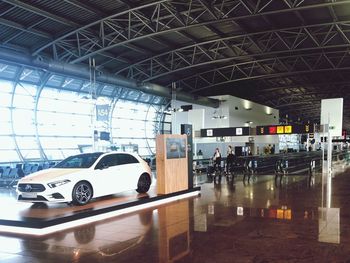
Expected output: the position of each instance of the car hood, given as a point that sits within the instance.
(49, 175)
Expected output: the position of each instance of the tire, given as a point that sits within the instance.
(144, 183)
(82, 193)
(85, 235)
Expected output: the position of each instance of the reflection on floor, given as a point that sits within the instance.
(258, 221)
(23, 211)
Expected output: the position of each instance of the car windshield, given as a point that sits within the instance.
(85, 160)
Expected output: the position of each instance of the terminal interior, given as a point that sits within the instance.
(239, 109)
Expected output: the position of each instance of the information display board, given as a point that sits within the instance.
(221, 132)
(332, 114)
(171, 163)
(284, 129)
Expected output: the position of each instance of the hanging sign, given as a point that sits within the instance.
(102, 112)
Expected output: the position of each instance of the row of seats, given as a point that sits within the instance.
(10, 175)
(296, 163)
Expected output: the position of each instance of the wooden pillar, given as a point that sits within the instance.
(171, 159)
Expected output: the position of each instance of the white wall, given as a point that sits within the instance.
(242, 111)
(238, 113)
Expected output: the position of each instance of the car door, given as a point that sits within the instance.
(130, 169)
(107, 172)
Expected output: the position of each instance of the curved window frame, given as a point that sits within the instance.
(26, 93)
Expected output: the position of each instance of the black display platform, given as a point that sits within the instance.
(50, 224)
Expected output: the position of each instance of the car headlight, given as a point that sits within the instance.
(58, 183)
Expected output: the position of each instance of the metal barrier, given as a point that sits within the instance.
(250, 167)
(281, 168)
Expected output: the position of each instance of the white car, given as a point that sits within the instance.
(81, 177)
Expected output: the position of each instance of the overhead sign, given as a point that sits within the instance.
(284, 129)
(288, 129)
(222, 132)
(280, 129)
(102, 112)
(332, 114)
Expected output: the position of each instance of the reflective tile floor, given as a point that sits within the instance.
(230, 221)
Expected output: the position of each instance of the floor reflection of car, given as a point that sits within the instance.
(130, 240)
(108, 239)
(81, 177)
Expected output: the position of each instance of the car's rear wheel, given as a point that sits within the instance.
(144, 183)
(82, 193)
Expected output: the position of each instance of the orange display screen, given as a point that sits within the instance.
(280, 129)
(288, 129)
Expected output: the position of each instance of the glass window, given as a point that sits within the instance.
(69, 152)
(5, 128)
(146, 151)
(9, 156)
(85, 160)
(5, 99)
(69, 106)
(64, 118)
(127, 159)
(108, 161)
(24, 102)
(30, 154)
(31, 75)
(26, 89)
(5, 114)
(7, 142)
(151, 143)
(54, 154)
(6, 86)
(55, 81)
(23, 122)
(63, 142)
(27, 142)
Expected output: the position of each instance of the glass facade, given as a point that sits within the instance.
(49, 117)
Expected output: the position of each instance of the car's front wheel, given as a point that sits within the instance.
(144, 183)
(82, 193)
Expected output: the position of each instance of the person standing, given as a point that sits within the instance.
(229, 159)
(217, 159)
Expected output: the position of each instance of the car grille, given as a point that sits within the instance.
(31, 188)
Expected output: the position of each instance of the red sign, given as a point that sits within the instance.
(272, 130)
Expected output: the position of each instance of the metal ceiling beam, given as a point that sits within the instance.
(195, 56)
(269, 68)
(83, 5)
(180, 63)
(304, 99)
(140, 29)
(189, 56)
(67, 22)
(23, 28)
(84, 73)
(85, 28)
(307, 85)
(41, 12)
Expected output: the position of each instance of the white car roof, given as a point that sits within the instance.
(118, 152)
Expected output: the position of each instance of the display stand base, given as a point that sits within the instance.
(67, 217)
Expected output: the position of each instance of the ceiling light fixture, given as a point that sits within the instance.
(217, 114)
(173, 104)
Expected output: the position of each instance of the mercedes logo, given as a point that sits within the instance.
(28, 188)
